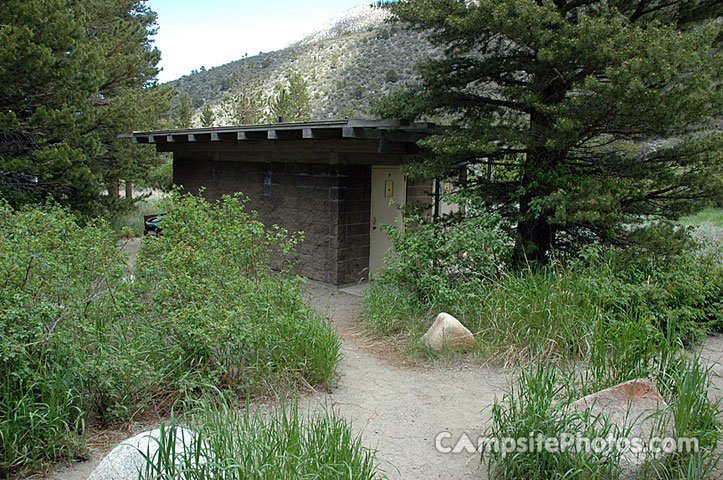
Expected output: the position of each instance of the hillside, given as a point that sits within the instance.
(348, 64)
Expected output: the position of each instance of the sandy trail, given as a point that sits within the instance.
(712, 353)
(401, 409)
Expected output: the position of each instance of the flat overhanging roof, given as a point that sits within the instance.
(387, 133)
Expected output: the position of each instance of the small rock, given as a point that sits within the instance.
(126, 460)
(636, 408)
(447, 331)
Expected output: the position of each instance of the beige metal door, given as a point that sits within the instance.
(389, 193)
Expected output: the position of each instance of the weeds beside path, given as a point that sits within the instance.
(401, 408)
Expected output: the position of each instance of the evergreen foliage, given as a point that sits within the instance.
(292, 102)
(207, 117)
(183, 113)
(73, 76)
(596, 116)
(245, 101)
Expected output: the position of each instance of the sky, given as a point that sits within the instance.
(193, 33)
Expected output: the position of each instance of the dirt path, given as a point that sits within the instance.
(712, 353)
(401, 409)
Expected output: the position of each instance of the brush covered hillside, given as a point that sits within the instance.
(348, 64)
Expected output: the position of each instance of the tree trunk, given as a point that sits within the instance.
(129, 190)
(535, 238)
(535, 234)
(114, 191)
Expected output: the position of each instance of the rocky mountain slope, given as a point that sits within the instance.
(348, 64)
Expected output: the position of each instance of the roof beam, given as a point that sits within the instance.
(322, 133)
(285, 134)
(361, 132)
(256, 134)
(402, 136)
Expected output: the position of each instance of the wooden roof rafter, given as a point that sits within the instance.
(390, 134)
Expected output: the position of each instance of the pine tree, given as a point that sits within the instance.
(75, 75)
(246, 101)
(183, 113)
(207, 116)
(292, 101)
(597, 116)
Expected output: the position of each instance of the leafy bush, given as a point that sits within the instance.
(624, 313)
(62, 301)
(81, 341)
(682, 291)
(234, 443)
(432, 258)
(226, 317)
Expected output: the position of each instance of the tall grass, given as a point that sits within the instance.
(713, 216)
(515, 318)
(539, 403)
(576, 326)
(59, 287)
(533, 408)
(39, 421)
(236, 443)
(558, 310)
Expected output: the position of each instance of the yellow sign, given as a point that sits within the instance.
(389, 188)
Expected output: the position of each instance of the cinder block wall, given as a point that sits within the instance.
(420, 197)
(329, 203)
(354, 203)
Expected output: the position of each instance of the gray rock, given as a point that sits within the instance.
(637, 412)
(126, 460)
(447, 331)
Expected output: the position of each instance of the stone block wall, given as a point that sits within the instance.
(329, 203)
(420, 197)
(353, 192)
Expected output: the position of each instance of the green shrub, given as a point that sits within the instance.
(61, 295)
(432, 258)
(81, 341)
(223, 315)
(682, 291)
(234, 443)
(551, 310)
